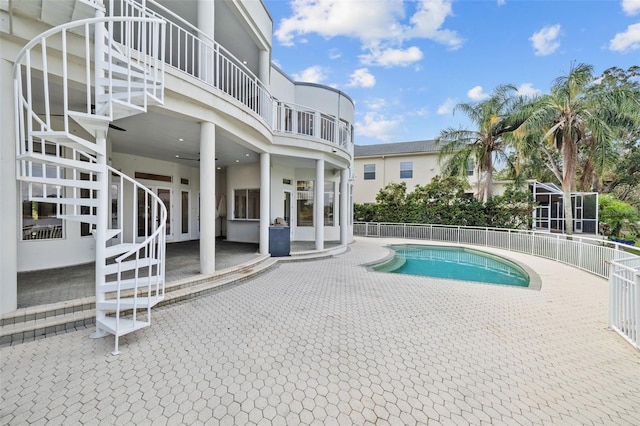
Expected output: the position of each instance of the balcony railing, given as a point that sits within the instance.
(195, 53)
(618, 262)
(300, 120)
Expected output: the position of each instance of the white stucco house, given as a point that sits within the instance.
(127, 124)
(415, 163)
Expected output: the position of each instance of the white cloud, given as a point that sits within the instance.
(626, 41)
(375, 125)
(392, 57)
(631, 7)
(362, 78)
(313, 74)
(502, 2)
(334, 54)
(376, 104)
(545, 41)
(428, 19)
(477, 94)
(527, 89)
(447, 106)
(382, 26)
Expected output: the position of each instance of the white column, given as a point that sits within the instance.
(264, 67)
(206, 15)
(265, 207)
(205, 23)
(102, 212)
(319, 204)
(9, 210)
(344, 206)
(207, 198)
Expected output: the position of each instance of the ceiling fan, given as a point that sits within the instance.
(181, 157)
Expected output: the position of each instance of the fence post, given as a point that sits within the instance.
(458, 235)
(637, 312)
(557, 247)
(580, 255)
(509, 239)
(486, 236)
(636, 308)
(533, 242)
(404, 230)
(378, 224)
(612, 293)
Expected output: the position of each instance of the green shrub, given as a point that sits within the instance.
(443, 201)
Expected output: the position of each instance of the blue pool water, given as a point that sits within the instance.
(456, 263)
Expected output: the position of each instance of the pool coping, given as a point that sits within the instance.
(535, 282)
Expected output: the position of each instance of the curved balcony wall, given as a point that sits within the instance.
(312, 110)
(287, 107)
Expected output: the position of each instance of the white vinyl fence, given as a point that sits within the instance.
(618, 262)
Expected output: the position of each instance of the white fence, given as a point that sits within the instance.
(618, 262)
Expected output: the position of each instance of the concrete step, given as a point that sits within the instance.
(45, 320)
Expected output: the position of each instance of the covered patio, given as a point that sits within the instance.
(183, 262)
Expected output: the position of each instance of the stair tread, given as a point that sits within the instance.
(89, 202)
(117, 249)
(125, 325)
(128, 303)
(67, 139)
(85, 218)
(72, 183)
(112, 233)
(130, 283)
(130, 264)
(60, 161)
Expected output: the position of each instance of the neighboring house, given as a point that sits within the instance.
(178, 96)
(376, 166)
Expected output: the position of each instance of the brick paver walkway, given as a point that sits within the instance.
(330, 342)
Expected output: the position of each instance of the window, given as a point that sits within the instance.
(329, 201)
(304, 202)
(246, 204)
(406, 169)
(470, 167)
(39, 218)
(369, 172)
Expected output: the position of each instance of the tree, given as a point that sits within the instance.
(493, 117)
(616, 214)
(576, 113)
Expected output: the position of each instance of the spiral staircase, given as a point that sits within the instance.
(70, 83)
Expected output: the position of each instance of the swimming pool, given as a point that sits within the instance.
(456, 263)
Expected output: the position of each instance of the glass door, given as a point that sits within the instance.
(146, 215)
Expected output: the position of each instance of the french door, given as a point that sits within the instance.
(146, 215)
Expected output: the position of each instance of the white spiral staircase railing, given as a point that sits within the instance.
(77, 73)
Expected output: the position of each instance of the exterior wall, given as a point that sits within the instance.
(188, 100)
(242, 177)
(425, 168)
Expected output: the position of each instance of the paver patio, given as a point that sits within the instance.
(330, 342)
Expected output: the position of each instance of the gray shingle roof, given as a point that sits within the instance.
(395, 148)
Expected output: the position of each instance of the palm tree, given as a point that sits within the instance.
(575, 114)
(493, 117)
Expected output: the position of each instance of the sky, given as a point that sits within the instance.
(407, 63)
